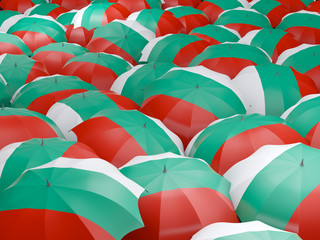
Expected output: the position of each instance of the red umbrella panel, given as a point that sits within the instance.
(19, 5)
(79, 35)
(174, 3)
(71, 4)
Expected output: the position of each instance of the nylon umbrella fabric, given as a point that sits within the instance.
(46, 9)
(173, 3)
(4, 92)
(66, 18)
(139, 5)
(71, 4)
(79, 35)
(12, 44)
(19, 5)
(5, 15)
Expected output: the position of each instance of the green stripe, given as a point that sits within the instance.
(216, 32)
(261, 235)
(149, 18)
(44, 9)
(15, 40)
(4, 95)
(104, 201)
(307, 2)
(265, 6)
(300, 20)
(5, 14)
(69, 48)
(66, 18)
(181, 11)
(225, 5)
(154, 4)
(278, 189)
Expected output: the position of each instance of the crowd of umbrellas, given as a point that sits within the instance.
(159, 119)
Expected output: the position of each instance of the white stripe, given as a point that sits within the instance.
(245, 3)
(5, 154)
(29, 10)
(252, 3)
(133, 16)
(249, 84)
(242, 173)
(77, 19)
(288, 53)
(119, 83)
(134, 25)
(221, 229)
(3, 79)
(247, 39)
(2, 57)
(7, 24)
(148, 48)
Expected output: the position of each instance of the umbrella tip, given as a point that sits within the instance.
(241, 119)
(83, 95)
(125, 36)
(229, 46)
(15, 64)
(42, 142)
(197, 86)
(48, 183)
(277, 73)
(2, 106)
(62, 44)
(313, 54)
(99, 54)
(154, 66)
(164, 169)
(301, 164)
(144, 125)
(55, 80)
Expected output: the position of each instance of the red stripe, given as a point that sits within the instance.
(71, 4)
(293, 5)
(211, 10)
(16, 5)
(174, 3)
(193, 21)
(275, 15)
(305, 83)
(40, 224)
(134, 6)
(79, 35)
(57, 11)
(305, 34)
(313, 136)
(109, 140)
(38, 70)
(242, 28)
(10, 48)
(210, 40)
(122, 102)
(115, 11)
(79, 150)
(286, 42)
(314, 73)
(168, 23)
(314, 7)
(178, 214)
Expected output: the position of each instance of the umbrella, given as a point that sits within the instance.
(314, 7)
(271, 89)
(47, 9)
(70, 199)
(228, 141)
(18, 124)
(138, 5)
(303, 25)
(19, 156)
(230, 58)
(12, 44)
(279, 185)
(79, 35)
(99, 69)
(158, 21)
(123, 38)
(189, 16)
(131, 84)
(66, 18)
(216, 34)
(37, 31)
(254, 230)
(304, 117)
(272, 41)
(243, 20)
(179, 49)
(5, 15)
(186, 100)
(71, 4)
(213, 8)
(174, 3)
(182, 196)
(103, 12)
(70, 112)
(40, 94)
(295, 5)
(19, 5)
(126, 134)
(55, 55)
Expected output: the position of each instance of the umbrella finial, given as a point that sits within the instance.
(62, 44)
(48, 183)
(144, 125)
(55, 79)
(197, 86)
(125, 36)
(99, 54)
(2, 106)
(83, 95)
(313, 54)
(164, 169)
(154, 66)
(15, 64)
(277, 73)
(229, 46)
(42, 142)
(241, 119)
(301, 164)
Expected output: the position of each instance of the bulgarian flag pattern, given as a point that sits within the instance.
(47, 9)
(12, 44)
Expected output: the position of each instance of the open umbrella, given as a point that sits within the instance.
(173, 3)
(79, 35)
(19, 5)
(66, 18)
(182, 195)
(314, 7)
(47, 9)
(138, 5)
(5, 15)
(71, 4)
(295, 5)
(12, 44)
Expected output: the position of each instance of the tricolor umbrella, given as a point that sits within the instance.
(66, 18)
(17, 157)
(227, 141)
(37, 31)
(103, 12)
(243, 20)
(179, 49)
(70, 112)
(173, 3)
(47, 9)
(213, 8)
(70, 199)
(138, 5)
(12, 44)
(131, 84)
(182, 195)
(279, 185)
(55, 55)
(190, 17)
(304, 117)
(123, 38)
(303, 25)
(305, 59)
(18, 124)
(215, 34)
(271, 89)
(71, 4)
(158, 21)
(272, 41)
(117, 136)
(40, 94)
(79, 35)
(230, 58)
(254, 230)
(99, 69)
(19, 5)
(186, 100)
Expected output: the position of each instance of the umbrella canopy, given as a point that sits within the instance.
(47, 9)
(71, 111)
(243, 20)
(4, 92)
(190, 17)
(279, 185)
(18, 70)
(272, 41)
(216, 34)
(254, 230)
(131, 84)
(103, 12)
(66, 18)
(138, 5)
(123, 38)
(271, 89)
(303, 25)
(179, 49)
(18, 124)
(55, 55)
(186, 100)
(19, 5)
(174, 3)
(314, 7)
(108, 208)
(230, 58)
(304, 117)
(37, 31)
(295, 5)
(79, 35)
(20, 156)
(71, 4)
(158, 21)
(5, 15)
(99, 69)
(126, 134)
(182, 196)
(304, 59)
(12, 44)
(228, 141)
(40, 94)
